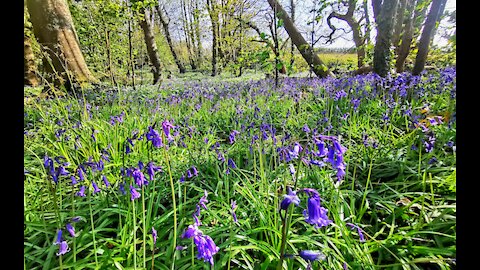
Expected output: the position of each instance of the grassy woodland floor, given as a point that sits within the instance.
(194, 174)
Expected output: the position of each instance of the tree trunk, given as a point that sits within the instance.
(398, 23)
(214, 20)
(404, 48)
(381, 54)
(30, 77)
(349, 18)
(163, 22)
(367, 22)
(196, 25)
(319, 68)
(424, 42)
(53, 27)
(151, 46)
(292, 46)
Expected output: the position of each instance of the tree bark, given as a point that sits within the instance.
(424, 42)
(30, 77)
(407, 36)
(164, 23)
(151, 46)
(319, 68)
(398, 23)
(381, 54)
(214, 20)
(53, 27)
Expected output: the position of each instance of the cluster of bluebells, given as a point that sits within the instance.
(206, 248)
(61, 242)
(315, 215)
(324, 153)
(139, 177)
(190, 173)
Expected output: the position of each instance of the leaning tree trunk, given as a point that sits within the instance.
(407, 36)
(424, 42)
(164, 24)
(54, 29)
(151, 46)
(30, 77)
(381, 54)
(319, 68)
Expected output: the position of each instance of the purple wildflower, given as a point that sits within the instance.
(139, 177)
(74, 180)
(153, 136)
(359, 230)
(105, 181)
(121, 187)
(70, 229)
(231, 163)
(154, 234)
(206, 247)
(59, 237)
(290, 197)
(95, 187)
(310, 255)
(151, 169)
(134, 193)
(315, 214)
(81, 193)
(63, 248)
(233, 207)
(166, 126)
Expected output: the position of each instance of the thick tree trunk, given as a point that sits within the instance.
(30, 77)
(163, 22)
(54, 29)
(406, 42)
(424, 42)
(319, 68)
(440, 14)
(381, 54)
(151, 46)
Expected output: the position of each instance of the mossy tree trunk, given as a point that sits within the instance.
(30, 77)
(315, 63)
(53, 27)
(385, 22)
(151, 46)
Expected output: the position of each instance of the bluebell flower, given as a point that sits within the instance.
(310, 255)
(203, 200)
(290, 197)
(231, 163)
(74, 180)
(315, 214)
(292, 169)
(121, 187)
(232, 135)
(154, 234)
(134, 193)
(206, 248)
(139, 177)
(105, 181)
(151, 169)
(153, 136)
(359, 230)
(95, 187)
(59, 237)
(70, 229)
(182, 179)
(233, 207)
(76, 219)
(63, 248)
(81, 192)
(306, 129)
(166, 126)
